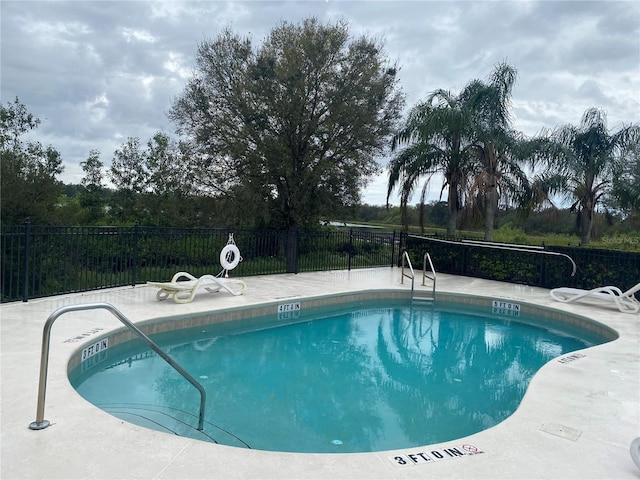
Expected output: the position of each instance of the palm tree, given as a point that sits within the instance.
(467, 139)
(627, 185)
(495, 145)
(501, 177)
(438, 135)
(587, 160)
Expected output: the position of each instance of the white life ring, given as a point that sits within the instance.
(230, 257)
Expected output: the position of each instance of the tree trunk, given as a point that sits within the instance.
(586, 221)
(490, 211)
(490, 161)
(452, 210)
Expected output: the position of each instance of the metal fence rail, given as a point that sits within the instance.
(39, 261)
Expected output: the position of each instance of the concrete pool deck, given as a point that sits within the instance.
(577, 420)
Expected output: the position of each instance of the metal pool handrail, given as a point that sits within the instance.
(523, 248)
(405, 256)
(40, 423)
(504, 246)
(425, 275)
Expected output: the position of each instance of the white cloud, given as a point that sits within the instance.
(175, 63)
(132, 34)
(54, 32)
(99, 71)
(97, 108)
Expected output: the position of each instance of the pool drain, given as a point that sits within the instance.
(337, 442)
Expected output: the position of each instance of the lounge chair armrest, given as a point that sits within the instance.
(179, 275)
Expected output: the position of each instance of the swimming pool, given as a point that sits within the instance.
(370, 376)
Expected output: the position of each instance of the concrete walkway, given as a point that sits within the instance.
(577, 419)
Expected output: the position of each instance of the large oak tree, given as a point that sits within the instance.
(292, 126)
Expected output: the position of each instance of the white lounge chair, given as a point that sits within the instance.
(183, 291)
(625, 301)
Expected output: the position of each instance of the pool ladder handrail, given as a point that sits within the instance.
(407, 260)
(412, 276)
(427, 257)
(40, 423)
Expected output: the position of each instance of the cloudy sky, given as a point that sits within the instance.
(96, 72)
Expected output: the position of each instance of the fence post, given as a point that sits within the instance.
(292, 260)
(350, 249)
(393, 247)
(403, 244)
(135, 254)
(27, 230)
(464, 259)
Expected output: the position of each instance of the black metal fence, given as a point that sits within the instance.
(40, 261)
(549, 267)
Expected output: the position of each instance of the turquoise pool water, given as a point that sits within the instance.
(366, 379)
